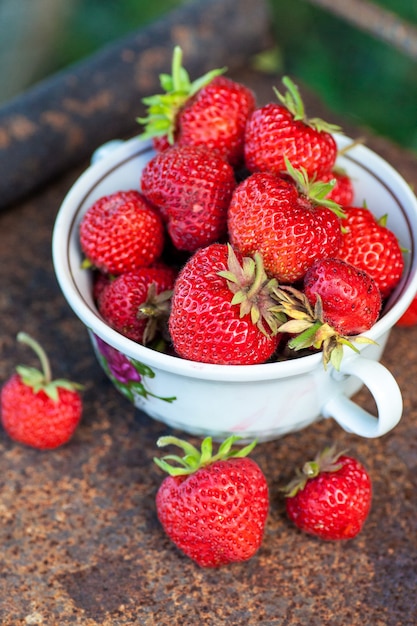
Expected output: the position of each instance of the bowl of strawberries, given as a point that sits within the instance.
(239, 267)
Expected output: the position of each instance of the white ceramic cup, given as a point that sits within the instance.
(263, 401)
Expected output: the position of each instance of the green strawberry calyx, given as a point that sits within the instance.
(308, 328)
(194, 459)
(325, 461)
(252, 289)
(292, 100)
(162, 109)
(41, 380)
(315, 191)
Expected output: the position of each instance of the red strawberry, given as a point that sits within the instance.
(218, 308)
(371, 246)
(36, 410)
(136, 304)
(339, 301)
(281, 130)
(331, 497)
(409, 317)
(275, 217)
(210, 111)
(350, 298)
(192, 187)
(100, 281)
(160, 143)
(121, 232)
(216, 117)
(358, 217)
(342, 192)
(214, 508)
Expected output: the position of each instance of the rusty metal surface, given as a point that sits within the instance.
(54, 125)
(81, 543)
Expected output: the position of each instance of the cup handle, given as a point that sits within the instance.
(385, 390)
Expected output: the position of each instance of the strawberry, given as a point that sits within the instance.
(338, 301)
(136, 303)
(219, 304)
(214, 508)
(160, 143)
(192, 187)
(100, 282)
(371, 246)
(409, 317)
(351, 299)
(216, 117)
(342, 192)
(121, 232)
(330, 497)
(280, 130)
(289, 222)
(210, 111)
(36, 410)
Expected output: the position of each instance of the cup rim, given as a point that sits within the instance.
(65, 230)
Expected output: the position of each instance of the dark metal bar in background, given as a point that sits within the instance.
(58, 123)
(379, 22)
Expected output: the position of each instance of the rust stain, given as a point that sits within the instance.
(18, 127)
(184, 37)
(61, 122)
(22, 128)
(98, 102)
(4, 139)
(128, 56)
(55, 119)
(76, 138)
(150, 64)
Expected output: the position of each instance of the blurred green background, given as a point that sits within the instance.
(355, 73)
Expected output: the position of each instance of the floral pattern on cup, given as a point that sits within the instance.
(128, 375)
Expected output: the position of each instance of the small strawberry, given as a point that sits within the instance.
(351, 299)
(137, 303)
(210, 111)
(368, 244)
(121, 232)
(160, 143)
(338, 302)
(216, 117)
(409, 317)
(219, 305)
(342, 192)
(213, 507)
(330, 497)
(289, 222)
(36, 410)
(100, 282)
(192, 187)
(280, 130)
